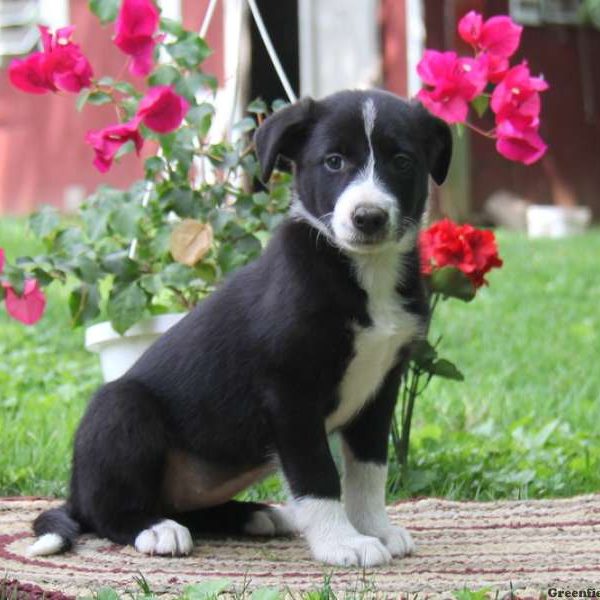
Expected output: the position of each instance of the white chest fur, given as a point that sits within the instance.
(375, 347)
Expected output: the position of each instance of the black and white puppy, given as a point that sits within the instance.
(307, 340)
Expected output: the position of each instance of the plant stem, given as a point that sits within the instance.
(488, 134)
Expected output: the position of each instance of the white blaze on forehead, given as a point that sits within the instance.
(369, 114)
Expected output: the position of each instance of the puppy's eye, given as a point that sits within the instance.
(334, 162)
(403, 164)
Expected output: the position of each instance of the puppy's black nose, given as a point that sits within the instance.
(369, 219)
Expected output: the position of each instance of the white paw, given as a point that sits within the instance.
(398, 541)
(360, 550)
(271, 521)
(165, 538)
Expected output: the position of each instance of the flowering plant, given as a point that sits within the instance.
(455, 260)
(455, 84)
(163, 244)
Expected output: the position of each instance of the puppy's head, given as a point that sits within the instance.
(362, 161)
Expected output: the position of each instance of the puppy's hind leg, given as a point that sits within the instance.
(120, 454)
(239, 518)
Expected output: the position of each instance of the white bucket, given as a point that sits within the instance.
(119, 352)
(557, 221)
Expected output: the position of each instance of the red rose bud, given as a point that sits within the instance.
(162, 110)
(107, 142)
(135, 29)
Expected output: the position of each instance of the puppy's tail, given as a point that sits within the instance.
(56, 531)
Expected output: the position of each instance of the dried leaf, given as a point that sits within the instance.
(190, 241)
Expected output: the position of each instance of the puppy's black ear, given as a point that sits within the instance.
(283, 134)
(438, 144)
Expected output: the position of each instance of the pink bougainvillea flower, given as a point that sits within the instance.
(1, 260)
(162, 110)
(27, 308)
(522, 145)
(516, 98)
(70, 69)
(499, 35)
(454, 82)
(60, 66)
(107, 142)
(30, 74)
(135, 29)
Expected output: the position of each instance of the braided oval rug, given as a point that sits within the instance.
(527, 546)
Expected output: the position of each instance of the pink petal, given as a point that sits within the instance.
(162, 110)
(469, 27)
(452, 109)
(501, 36)
(29, 307)
(2, 259)
(29, 75)
(525, 146)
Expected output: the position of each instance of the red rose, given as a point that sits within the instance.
(472, 251)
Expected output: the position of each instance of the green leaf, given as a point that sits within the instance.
(423, 353)
(452, 283)
(125, 220)
(181, 200)
(201, 117)
(171, 26)
(99, 98)
(84, 304)
(177, 275)
(126, 148)
(480, 104)
(82, 98)
(121, 265)
(258, 106)
(126, 306)
(206, 590)
(207, 272)
(266, 594)
(151, 283)
(16, 278)
(444, 368)
(87, 269)
(278, 104)
(245, 125)
(189, 51)
(154, 166)
(44, 222)
(105, 10)
(460, 130)
(164, 75)
(107, 593)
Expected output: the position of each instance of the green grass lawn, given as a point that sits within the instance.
(523, 424)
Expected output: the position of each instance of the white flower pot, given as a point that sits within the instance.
(557, 221)
(119, 352)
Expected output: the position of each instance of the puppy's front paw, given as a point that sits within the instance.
(360, 550)
(398, 541)
(165, 538)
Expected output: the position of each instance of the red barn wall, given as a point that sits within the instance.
(42, 148)
(568, 57)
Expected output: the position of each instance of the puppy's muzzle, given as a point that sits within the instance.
(370, 221)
